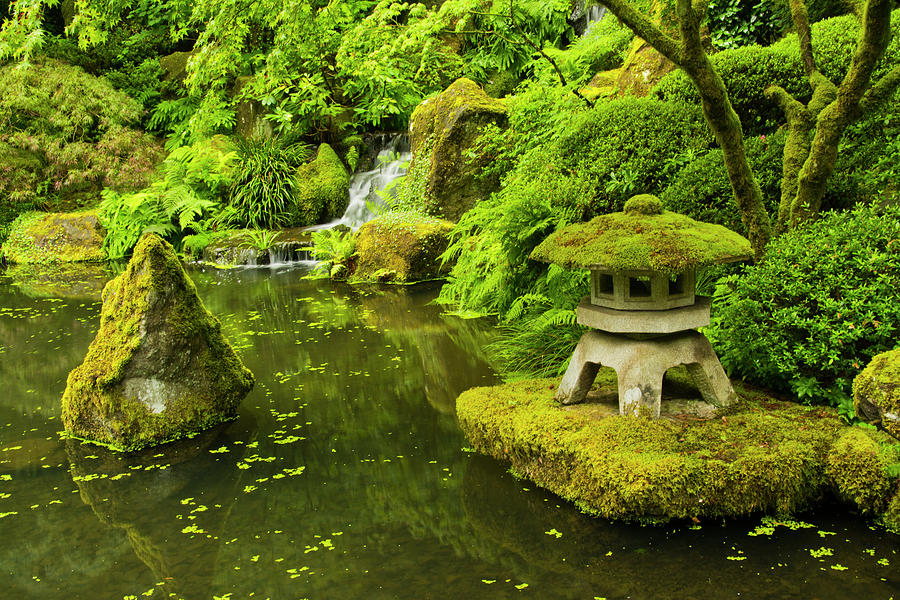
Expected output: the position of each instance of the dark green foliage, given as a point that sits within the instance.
(65, 134)
(701, 189)
(749, 70)
(822, 302)
(740, 23)
(262, 191)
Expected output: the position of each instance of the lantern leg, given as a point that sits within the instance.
(580, 375)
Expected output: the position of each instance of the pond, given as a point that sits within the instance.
(345, 474)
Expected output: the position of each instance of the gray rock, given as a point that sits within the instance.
(159, 368)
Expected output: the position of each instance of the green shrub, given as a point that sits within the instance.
(627, 142)
(701, 190)
(263, 188)
(747, 71)
(822, 302)
(65, 134)
(184, 200)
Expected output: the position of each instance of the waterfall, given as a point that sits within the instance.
(592, 14)
(390, 164)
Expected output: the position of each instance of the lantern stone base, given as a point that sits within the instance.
(640, 366)
(644, 322)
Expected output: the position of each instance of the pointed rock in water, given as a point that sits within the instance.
(159, 368)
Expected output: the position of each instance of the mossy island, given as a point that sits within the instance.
(762, 455)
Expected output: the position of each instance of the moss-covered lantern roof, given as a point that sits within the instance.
(643, 237)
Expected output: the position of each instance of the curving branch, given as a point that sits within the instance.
(645, 29)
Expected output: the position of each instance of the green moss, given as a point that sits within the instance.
(638, 239)
(322, 189)
(877, 390)
(858, 469)
(766, 456)
(891, 517)
(153, 328)
(443, 134)
(37, 237)
(401, 248)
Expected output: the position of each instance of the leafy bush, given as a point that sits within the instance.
(702, 191)
(194, 180)
(747, 71)
(66, 134)
(735, 23)
(262, 191)
(628, 141)
(822, 302)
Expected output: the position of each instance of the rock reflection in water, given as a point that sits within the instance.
(171, 511)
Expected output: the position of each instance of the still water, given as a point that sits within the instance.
(345, 475)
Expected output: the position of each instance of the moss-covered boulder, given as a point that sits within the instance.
(859, 469)
(401, 248)
(37, 237)
(322, 190)
(159, 368)
(876, 392)
(443, 135)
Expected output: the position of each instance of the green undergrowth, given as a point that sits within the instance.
(763, 456)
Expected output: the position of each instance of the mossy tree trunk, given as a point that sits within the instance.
(688, 53)
(814, 129)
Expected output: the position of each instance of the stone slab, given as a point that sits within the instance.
(644, 321)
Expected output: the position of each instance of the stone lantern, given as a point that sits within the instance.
(642, 310)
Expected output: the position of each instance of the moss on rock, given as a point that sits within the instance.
(159, 368)
(876, 392)
(401, 248)
(322, 190)
(37, 237)
(443, 132)
(766, 456)
(643, 237)
(858, 469)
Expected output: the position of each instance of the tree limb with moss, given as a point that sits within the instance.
(687, 52)
(815, 130)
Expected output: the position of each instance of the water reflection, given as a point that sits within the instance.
(344, 476)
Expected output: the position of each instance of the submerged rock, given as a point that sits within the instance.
(159, 368)
(391, 249)
(876, 392)
(443, 135)
(37, 237)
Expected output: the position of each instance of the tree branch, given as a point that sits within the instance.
(879, 93)
(801, 22)
(645, 29)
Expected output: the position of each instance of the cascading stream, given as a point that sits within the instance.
(391, 162)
